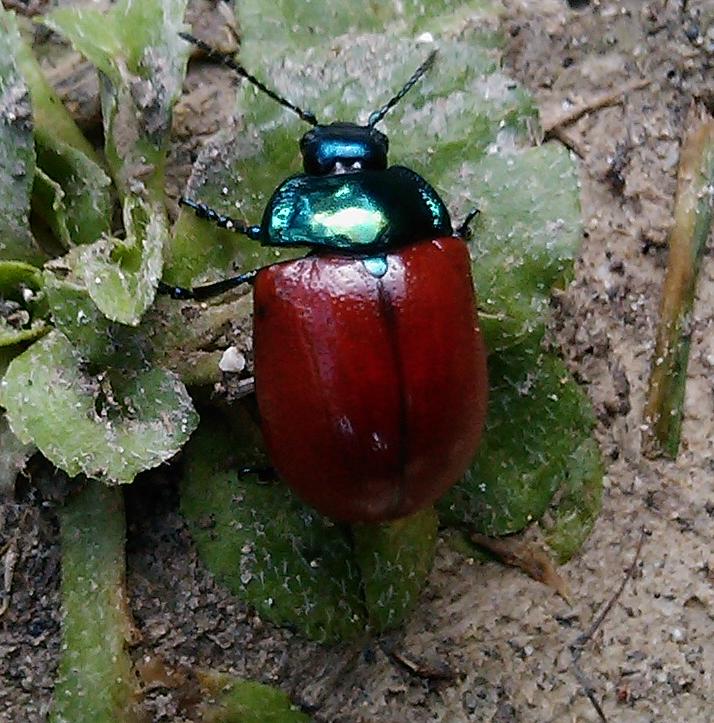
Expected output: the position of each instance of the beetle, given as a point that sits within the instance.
(370, 367)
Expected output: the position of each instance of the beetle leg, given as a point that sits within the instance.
(203, 211)
(463, 230)
(207, 290)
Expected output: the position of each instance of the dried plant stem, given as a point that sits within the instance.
(688, 238)
(578, 646)
(526, 554)
(596, 102)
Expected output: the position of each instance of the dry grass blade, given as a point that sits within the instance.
(688, 238)
(527, 556)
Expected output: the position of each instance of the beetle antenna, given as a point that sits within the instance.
(229, 61)
(377, 116)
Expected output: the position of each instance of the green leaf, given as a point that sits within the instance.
(85, 211)
(110, 427)
(266, 546)
(101, 342)
(523, 245)
(96, 681)
(13, 456)
(50, 116)
(121, 275)
(467, 128)
(525, 240)
(537, 418)
(64, 155)
(395, 559)
(128, 39)
(198, 250)
(577, 504)
(23, 307)
(192, 350)
(305, 24)
(48, 201)
(248, 702)
(137, 48)
(17, 153)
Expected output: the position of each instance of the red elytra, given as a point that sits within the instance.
(372, 391)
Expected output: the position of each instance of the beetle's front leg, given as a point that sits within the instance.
(206, 291)
(203, 211)
(463, 231)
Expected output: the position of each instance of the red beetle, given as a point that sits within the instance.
(370, 368)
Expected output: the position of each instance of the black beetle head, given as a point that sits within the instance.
(343, 147)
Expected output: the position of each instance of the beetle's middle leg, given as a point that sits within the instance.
(203, 211)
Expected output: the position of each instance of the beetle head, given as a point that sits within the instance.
(337, 147)
(343, 147)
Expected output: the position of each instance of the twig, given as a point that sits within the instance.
(433, 672)
(604, 100)
(567, 140)
(693, 209)
(578, 646)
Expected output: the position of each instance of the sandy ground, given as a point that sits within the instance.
(508, 638)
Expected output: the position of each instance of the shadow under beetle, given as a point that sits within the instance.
(370, 368)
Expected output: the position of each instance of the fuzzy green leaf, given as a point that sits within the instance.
(101, 342)
(17, 153)
(300, 24)
(525, 240)
(121, 274)
(395, 559)
(278, 555)
(64, 155)
(23, 307)
(137, 48)
(125, 41)
(537, 418)
(192, 350)
(13, 456)
(50, 116)
(109, 427)
(576, 506)
(83, 212)
(248, 702)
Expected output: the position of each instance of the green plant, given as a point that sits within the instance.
(96, 368)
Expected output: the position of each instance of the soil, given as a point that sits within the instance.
(506, 638)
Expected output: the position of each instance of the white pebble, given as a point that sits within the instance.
(232, 360)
